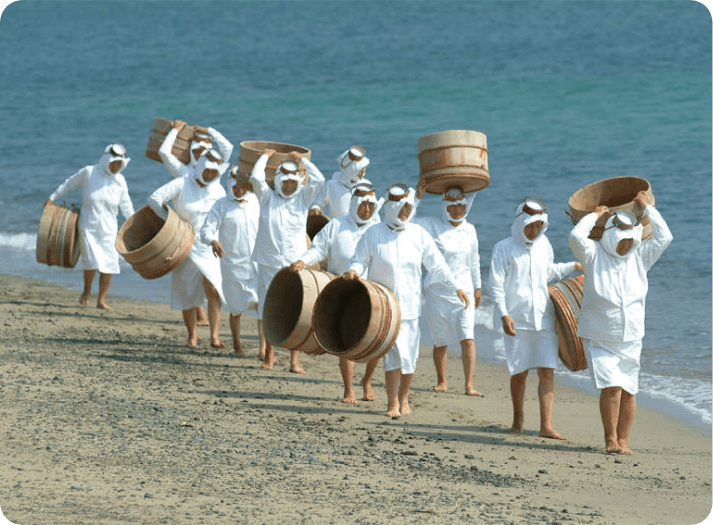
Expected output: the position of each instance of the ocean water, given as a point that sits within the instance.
(567, 93)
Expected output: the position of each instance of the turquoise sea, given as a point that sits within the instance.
(567, 93)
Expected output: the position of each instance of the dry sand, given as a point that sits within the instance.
(106, 418)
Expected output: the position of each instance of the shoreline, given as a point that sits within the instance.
(108, 419)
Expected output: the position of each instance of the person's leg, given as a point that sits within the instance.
(439, 360)
(546, 395)
(269, 360)
(627, 410)
(189, 319)
(369, 394)
(213, 313)
(235, 331)
(393, 379)
(295, 367)
(263, 344)
(201, 317)
(518, 383)
(404, 387)
(88, 280)
(104, 282)
(467, 347)
(346, 367)
(609, 407)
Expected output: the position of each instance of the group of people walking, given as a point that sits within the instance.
(245, 235)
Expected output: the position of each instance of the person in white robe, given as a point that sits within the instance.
(336, 243)
(201, 142)
(393, 253)
(444, 315)
(104, 193)
(198, 276)
(335, 196)
(522, 267)
(611, 321)
(231, 229)
(282, 228)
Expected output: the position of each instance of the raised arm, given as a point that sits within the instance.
(173, 165)
(158, 199)
(257, 177)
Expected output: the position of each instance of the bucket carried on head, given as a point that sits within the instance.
(181, 148)
(153, 246)
(567, 298)
(617, 194)
(251, 151)
(358, 320)
(288, 308)
(58, 237)
(456, 158)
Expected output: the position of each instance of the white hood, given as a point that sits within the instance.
(109, 156)
(348, 175)
(393, 208)
(612, 235)
(522, 219)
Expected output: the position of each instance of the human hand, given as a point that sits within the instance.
(509, 326)
(478, 298)
(269, 152)
(421, 188)
(642, 199)
(295, 156)
(578, 267)
(601, 211)
(47, 202)
(315, 212)
(297, 266)
(218, 250)
(179, 124)
(463, 297)
(350, 275)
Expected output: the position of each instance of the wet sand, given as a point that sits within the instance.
(107, 418)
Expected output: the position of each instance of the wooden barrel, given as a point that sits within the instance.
(153, 246)
(58, 237)
(315, 223)
(182, 146)
(251, 150)
(456, 158)
(358, 320)
(617, 194)
(567, 298)
(289, 304)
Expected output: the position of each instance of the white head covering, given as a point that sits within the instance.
(351, 162)
(355, 202)
(392, 207)
(528, 211)
(231, 182)
(200, 140)
(612, 235)
(209, 160)
(112, 152)
(456, 196)
(288, 170)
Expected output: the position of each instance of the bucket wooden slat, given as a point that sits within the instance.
(153, 246)
(315, 223)
(58, 237)
(288, 309)
(455, 158)
(181, 148)
(251, 150)
(567, 298)
(358, 320)
(617, 194)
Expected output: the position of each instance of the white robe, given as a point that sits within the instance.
(443, 310)
(102, 197)
(337, 241)
(334, 197)
(177, 169)
(234, 225)
(282, 229)
(192, 204)
(615, 288)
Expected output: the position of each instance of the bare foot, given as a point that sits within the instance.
(350, 398)
(84, 299)
(297, 370)
(441, 387)
(393, 413)
(612, 447)
(624, 448)
(191, 344)
(551, 434)
(202, 321)
(261, 355)
(405, 408)
(239, 351)
(104, 306)
(470, 391)
(267, 365)
(516, 428)
(369, 394)
(217, 344)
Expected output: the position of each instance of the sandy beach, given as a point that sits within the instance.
(107, 418)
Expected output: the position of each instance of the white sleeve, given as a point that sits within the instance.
(315, 183)
(257, 178)
(224, 146)
(652, 249)
(498, 274)
(211, 225)
(582, 246)
(173, 165)
(158, 199)
(74, 182)
(475, 262)
(125, 204)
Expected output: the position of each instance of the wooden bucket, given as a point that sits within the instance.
(58, 237)
(153, 246)
(182, 146)
(456, 158)
(251, 150)
(289, 304)
(358, 320)
(618, 195)
(567, 298)
(315, 223)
